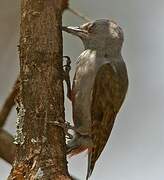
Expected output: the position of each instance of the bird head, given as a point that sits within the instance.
(99, 34)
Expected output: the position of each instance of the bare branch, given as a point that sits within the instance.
(76, 13)
(7, 148)
(8, 104)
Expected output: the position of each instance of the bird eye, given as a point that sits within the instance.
(91, 27)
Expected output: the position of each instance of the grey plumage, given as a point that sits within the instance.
(99, 87)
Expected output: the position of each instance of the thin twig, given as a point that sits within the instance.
(7, 148)
(78, 14)
(8, 104)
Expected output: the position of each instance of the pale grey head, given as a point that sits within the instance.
(103, 35)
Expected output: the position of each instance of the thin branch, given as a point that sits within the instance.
(7, 148)
(8, 104)
(75, 12)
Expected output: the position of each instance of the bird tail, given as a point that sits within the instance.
(91, 165)
(93, 155)
(100, 137)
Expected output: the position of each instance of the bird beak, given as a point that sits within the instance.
(77, 31)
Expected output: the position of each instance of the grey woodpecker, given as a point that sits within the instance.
(99, 87)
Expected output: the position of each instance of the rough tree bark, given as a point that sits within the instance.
(41, 151)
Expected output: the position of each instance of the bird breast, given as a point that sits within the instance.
(87, 67)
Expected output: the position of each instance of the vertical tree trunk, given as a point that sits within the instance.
(40, 145)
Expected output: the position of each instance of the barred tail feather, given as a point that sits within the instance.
(100, 139)
(91, 165)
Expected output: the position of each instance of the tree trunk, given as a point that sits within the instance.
(41, 150)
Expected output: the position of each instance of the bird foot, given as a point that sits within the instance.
(67, 66)
(66, 126)
(66, 70)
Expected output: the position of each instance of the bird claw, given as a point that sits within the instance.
(67, 66)
(66, 70)
(65, 126)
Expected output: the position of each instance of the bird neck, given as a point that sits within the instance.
(105, 52)
(104, 48)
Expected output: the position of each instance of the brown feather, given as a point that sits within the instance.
(108, 94)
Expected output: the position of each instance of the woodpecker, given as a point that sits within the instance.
(99, 87)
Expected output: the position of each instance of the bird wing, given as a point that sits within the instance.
(109, 91)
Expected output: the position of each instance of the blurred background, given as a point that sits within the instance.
(135, 150)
